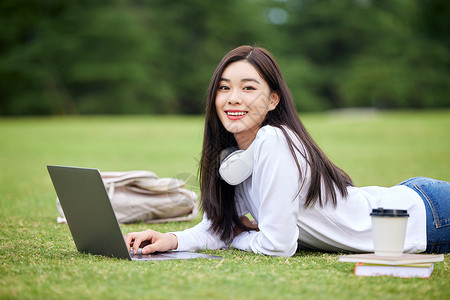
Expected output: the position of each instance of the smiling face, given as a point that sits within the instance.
(243, 100)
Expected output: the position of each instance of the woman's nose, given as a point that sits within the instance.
(234, 99)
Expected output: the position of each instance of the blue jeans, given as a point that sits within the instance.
(436, 196)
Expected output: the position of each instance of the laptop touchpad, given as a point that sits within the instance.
(171, 255)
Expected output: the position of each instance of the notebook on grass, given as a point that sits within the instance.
(406, 258)
(91, 218)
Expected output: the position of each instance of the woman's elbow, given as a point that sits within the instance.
(277, 249)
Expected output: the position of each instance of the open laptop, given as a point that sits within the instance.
(91, 218)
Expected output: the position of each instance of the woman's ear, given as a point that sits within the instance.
(274, 99)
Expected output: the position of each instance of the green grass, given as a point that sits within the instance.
(39, 260)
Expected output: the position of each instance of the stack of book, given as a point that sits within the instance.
(408, 265)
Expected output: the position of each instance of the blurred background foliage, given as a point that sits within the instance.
(157, 56)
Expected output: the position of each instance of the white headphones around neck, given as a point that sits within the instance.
(236, 165)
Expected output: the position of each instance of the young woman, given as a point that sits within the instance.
(296, 195)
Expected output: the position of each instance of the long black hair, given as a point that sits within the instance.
(217, 197)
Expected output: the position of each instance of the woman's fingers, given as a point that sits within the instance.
(249, 223)
(129, 240)
(149, 249)
(136, 240)
(161, 243)
(151, 241)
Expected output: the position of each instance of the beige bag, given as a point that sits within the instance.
(140, 196)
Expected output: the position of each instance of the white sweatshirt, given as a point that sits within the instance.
(270, 196)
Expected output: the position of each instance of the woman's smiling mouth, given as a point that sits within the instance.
(236, 114)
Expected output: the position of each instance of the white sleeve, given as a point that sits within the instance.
(276, 177)
(199, 237)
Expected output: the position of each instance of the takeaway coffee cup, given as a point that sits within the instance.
(389, 230)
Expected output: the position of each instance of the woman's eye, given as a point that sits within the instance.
(224, 88)
(249, 88)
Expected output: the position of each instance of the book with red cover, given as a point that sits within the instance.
(406, 271)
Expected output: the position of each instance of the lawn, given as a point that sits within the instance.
(38, 258)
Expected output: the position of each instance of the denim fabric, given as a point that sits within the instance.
(436, 196)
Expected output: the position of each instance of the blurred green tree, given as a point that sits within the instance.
(188, 38)
(370, 53)
(116, 56)
(157, 56)
(404, 67)
(70, 57)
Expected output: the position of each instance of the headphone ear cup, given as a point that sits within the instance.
(225, 153)
(237, 166)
